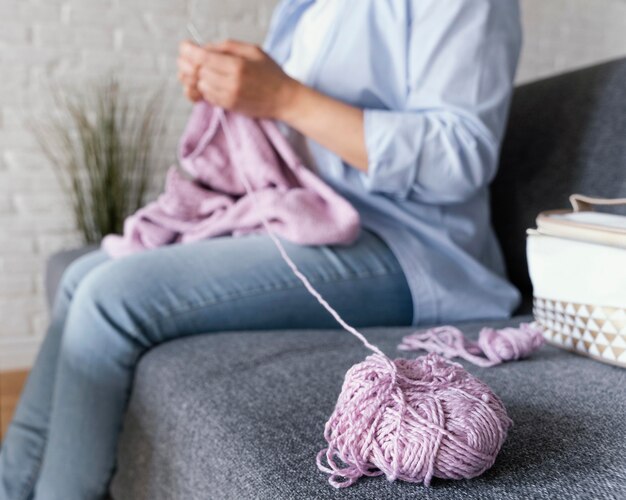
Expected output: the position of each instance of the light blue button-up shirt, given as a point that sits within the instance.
(434, 78)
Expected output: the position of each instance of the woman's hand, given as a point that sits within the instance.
(237, 76)
(188, 75)
(241, 77)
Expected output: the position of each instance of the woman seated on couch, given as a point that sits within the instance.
(400, 105)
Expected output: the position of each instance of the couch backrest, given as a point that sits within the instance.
(566, 134)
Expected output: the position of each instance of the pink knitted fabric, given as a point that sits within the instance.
(210, 200)
(495, 346)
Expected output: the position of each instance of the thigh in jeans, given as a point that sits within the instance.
(231, 283)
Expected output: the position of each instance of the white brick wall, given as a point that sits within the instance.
(565, 34)
(77, 40)
(43, 41)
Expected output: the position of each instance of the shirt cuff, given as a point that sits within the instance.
(392, 161)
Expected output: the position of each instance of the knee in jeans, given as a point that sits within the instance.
(102, 315)
(84, 329)
(69, 279)
(77, 270)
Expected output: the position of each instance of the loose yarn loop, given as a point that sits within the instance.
(408, 419)
(434, 419)
(497, 346)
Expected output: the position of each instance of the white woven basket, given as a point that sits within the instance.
(577, 265)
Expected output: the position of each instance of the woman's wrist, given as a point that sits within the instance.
(290, 101)
(334, 124)
(303, 108)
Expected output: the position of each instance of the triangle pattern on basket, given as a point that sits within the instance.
(589, 329)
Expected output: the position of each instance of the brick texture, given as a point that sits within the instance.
(44, 41)
(564, 34)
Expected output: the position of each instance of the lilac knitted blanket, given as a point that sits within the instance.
(206, 198)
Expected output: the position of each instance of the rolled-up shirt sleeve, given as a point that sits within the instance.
(444, 144)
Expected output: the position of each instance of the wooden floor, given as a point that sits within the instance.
(10, 387)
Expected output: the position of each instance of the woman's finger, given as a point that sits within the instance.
(192, 93)
(218, 79)
(193, 53)
(223, 63)
(187, 80)
(242, 49)
(214, 94)
(185, 66)
(209, 88)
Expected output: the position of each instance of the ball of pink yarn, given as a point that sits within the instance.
(412, 419)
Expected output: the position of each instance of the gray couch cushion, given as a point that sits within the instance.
(566, 134)
(241, 416)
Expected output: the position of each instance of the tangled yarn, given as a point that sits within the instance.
(408, 419)
(497, 346)
(415, 420)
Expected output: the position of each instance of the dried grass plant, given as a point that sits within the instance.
(103, 142)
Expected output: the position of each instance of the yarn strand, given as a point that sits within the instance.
(409, 419)
(285, 256)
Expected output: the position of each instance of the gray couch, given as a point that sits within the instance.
(241, 415)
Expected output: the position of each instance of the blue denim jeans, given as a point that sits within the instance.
(62, 445)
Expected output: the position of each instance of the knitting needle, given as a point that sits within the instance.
(193, 31)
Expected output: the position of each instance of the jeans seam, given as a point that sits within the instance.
(288, 286)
